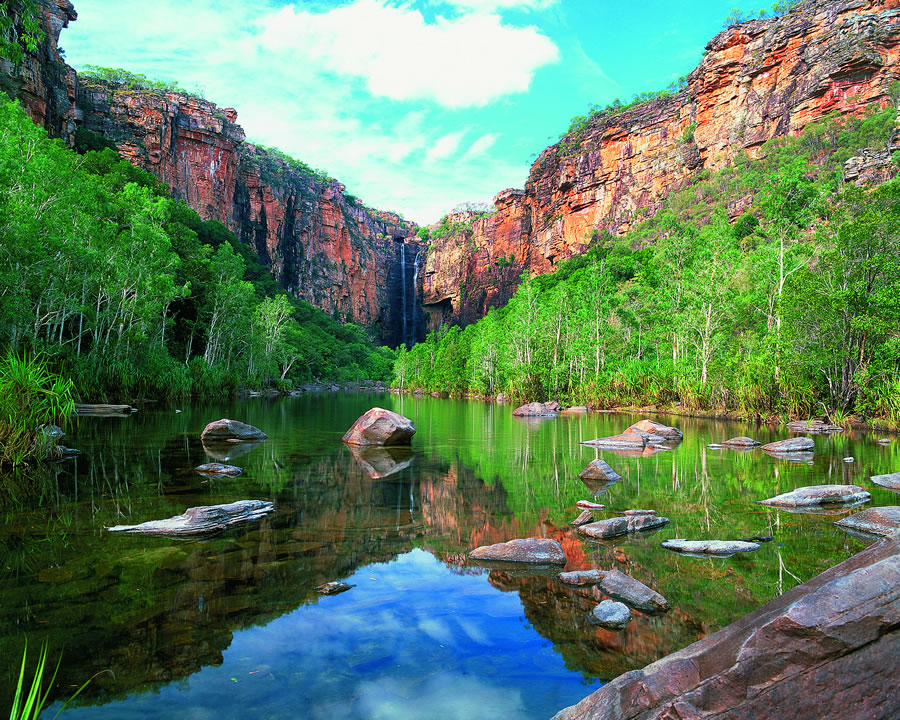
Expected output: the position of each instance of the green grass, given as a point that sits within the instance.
(29, 706)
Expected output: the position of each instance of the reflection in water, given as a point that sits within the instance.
(234, 627)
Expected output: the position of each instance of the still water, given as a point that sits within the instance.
(232, 627)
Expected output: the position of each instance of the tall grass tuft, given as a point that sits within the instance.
(28, 706)
(31, 397)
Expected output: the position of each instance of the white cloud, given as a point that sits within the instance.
(444, 146)
(492, 5)
(480, 146)
(465, 61)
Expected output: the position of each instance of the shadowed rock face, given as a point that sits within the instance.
(826, 648)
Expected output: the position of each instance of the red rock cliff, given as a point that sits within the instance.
(758, 80)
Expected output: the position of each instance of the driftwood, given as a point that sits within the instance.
(81, 409)
(203, 520)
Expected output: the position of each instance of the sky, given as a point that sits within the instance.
(416, 105)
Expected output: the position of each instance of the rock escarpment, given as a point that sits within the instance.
(757, 81)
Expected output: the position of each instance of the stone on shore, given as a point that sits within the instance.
(825, 649)
(614, 527)
(202, 520)
(741, 441)
(813, 426)
(710, 547)
(883, 520)
(611, 615)
(226, 430)
(791, 445)
(380, 427)
(586, 517)
(891, 481)
(536, 409)
(818, 495)
(218, 470)
(599, 470)
(632, 592)
(581, 577)
(543, 551)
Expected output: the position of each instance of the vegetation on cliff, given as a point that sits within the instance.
(790, 309)
(129, 292)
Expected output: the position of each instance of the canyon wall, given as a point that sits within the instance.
(320, 243)
(758, 80)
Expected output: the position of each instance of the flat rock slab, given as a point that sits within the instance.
(586, 517)
(333, 588)
(875, 521)
(891, 482)
(588, 505)
(380, 427)
(225, 430)
(791, 445)
(611, 615)
(655, 428)
(218, 470)
(536, 409)
(824, 649)
(818, 495)
(630, 441)
(813, 426)
(581, 577)
(202, 520)
(542, 551)
(741, 441)
(599, 470)
(614, 527)
(634, 593)
(710, 547)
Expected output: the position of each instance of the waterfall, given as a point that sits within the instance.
(403, 289)
(415, 287)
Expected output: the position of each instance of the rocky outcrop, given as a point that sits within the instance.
(756, 81)
(826, 648)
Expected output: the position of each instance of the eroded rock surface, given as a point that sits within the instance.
(710, 547)
(616, 526)
(380, 427)
(225, 430)
(818, 495)
(599, 470)
(203, 520)
(883, 520)
(891, 481)
(542, 551)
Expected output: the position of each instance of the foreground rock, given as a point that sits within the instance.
(226, 430)
(818, 495)
(536, 409)
(599, 470)
(542, 551)
(584, 518)
(614, 527)
(875, 521)
(632, 592)
(611, 614)
(791, 445)
(742, 441)
(891, 482)
(825, 649)
(813, 426)
(218, 470)
(710, 547)
(203, 520)
(380, 427)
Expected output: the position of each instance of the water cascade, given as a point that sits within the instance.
(403, 306)
(412, 310)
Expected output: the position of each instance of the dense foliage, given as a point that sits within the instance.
(129, 292)
(128, 80)
(20, 28)
(789, 309)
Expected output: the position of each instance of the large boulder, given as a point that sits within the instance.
(883, 520)
(226, 430)
(541, 551)
(891, 481)
(825, 649)
(710, 547)
(599, 470)
(616, 526)
(536, 409)
(380, 427)
(818, 495)
(791, 445)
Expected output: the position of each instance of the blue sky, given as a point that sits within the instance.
(416, 106)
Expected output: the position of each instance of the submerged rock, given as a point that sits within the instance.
(333, 588)
(226, 430)
(599, 470)
(883, 520)
(710, 547)
(203, 520)
(536, 409)
(891, 481)
(586, 517)
(613, 527)
(581, 577)
(380, 427)
(542, 551)
(818, 495)
(741, 441)
(633, 592)
(791, 445)
(218, 470)
(611, 614)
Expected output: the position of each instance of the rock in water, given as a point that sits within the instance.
(741, 441)
(586, 517)
(791, 445)
(654, 428)
(218, 470)
(536, 409)
(613, 527)
(581, 577)
(891, 482)
(818, 495)
(542, 551)
(813, 426)
(333, 588)
(225, 430)
(710, 547)
(611, 614)
(203, 520)
(588, 505)
(599, 470)
(381, 427)
(636, 512)
(883, 520)
(632, 592)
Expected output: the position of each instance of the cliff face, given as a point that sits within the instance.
(320, 243)
(757, 81)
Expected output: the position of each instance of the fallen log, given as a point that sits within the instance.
(202, 520)
(91, 409)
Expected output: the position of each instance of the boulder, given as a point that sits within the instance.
(218, 470)
(614, 527)
(583, 519)
(791, 445)
(654, 428)
(741, 441)
(380, 427)
(536, 409)
(581, 577)
(825, 649)
(634, 593)
(202, 520)
(813, 426)
(588, 505)
(225, 430)
(891, 482)
(542, 551)
(883, 520)
(611, 614)
(710, 547)
(818, 495)
(599, 470)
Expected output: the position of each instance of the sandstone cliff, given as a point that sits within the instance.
(757, 80)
